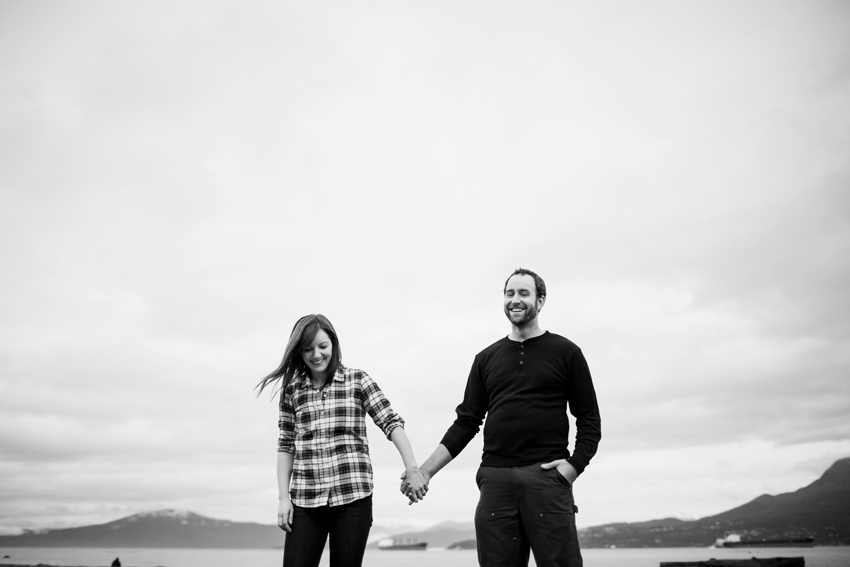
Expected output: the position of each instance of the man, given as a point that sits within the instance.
(523, 384)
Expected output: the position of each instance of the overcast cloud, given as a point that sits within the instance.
(181, 181)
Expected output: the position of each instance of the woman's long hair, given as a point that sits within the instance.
(302, 336)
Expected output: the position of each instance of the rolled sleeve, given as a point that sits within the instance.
(286, 424)
(378, 407)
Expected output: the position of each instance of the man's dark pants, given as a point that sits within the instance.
(522, 508)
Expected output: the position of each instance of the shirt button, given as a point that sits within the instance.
(522, 352)
(519, 362)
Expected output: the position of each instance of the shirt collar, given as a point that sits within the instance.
(339, 376)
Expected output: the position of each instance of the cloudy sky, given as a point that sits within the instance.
(181, 181)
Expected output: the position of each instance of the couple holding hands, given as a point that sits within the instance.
(523, 384)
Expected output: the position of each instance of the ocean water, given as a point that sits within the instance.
(87, 557)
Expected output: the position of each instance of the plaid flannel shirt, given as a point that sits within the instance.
(326, 430)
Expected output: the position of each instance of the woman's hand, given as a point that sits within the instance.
(414, 484)
(284, 514)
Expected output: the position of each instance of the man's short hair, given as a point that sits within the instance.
(539, 284)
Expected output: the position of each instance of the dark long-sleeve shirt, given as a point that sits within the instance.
(524, 390)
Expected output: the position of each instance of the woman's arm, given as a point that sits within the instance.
(284, 474)
(416, 482)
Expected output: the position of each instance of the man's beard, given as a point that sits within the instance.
(528, 315)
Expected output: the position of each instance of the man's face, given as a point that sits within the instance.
(521, 301)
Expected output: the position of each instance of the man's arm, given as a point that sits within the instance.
(432, 465)
(470, 416)
(583, 405)
(438, 459)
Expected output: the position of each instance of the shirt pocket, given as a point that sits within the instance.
(307, 413)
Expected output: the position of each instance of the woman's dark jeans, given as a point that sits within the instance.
(347, 525)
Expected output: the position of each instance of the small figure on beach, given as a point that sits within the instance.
(323, 468)
(523, 384)
(117, 562)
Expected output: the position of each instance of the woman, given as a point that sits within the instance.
(323, 468)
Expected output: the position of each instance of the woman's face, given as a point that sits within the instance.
(317, 356)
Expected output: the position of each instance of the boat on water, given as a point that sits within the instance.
(402, 544)
(799, 542)
(735, 540)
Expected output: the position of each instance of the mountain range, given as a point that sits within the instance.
(820, 510)
(161, 529)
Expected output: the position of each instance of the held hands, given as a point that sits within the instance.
(565, 469)
(414, 484)
(284, 514)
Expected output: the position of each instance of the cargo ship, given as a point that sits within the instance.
(402, 544)
(734, 540)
